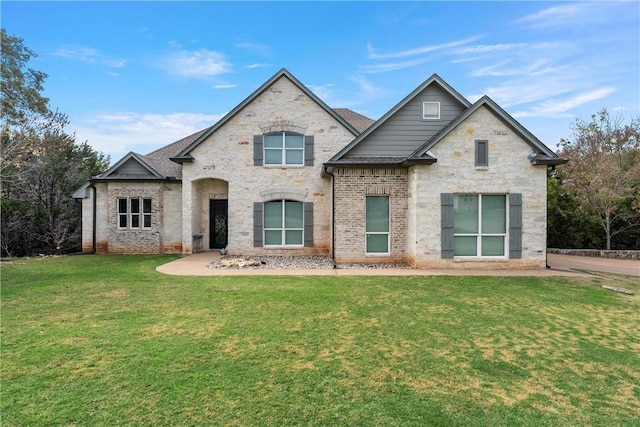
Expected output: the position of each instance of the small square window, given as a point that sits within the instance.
(431, 110)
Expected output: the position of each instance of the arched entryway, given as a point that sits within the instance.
(210, 208)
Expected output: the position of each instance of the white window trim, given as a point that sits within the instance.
(283, 150)
(424, 116)
(368, 233)
(129, 214)
(283, 230)
(479, 234)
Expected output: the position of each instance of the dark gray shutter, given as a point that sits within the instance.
(308, 224)
(515, 225)
(446, 225)
(257, 225)
(482, 152)
(308, 150)
(257, 150)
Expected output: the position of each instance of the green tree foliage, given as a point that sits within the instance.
(568, 226)
(41, 165)
(603, 176)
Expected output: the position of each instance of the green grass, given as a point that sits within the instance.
(106, 340)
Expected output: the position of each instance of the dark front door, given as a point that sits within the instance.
(218, 224)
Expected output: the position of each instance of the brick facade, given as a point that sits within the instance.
(163, 236)
(351, 186)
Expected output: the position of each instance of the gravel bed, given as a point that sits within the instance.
(288, 262)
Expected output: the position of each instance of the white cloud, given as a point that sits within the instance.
(224, 86)
(118, 133)
(419, 50)
(393, 66)
(258, 65)
(561, 107)
(90, 56)
(201, 63)
(552, 17)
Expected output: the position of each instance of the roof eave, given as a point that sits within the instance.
(182, 159)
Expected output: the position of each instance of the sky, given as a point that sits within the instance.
(135, 76)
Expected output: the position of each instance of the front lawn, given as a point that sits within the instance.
(106, 340)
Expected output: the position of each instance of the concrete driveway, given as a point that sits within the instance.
(581, 263)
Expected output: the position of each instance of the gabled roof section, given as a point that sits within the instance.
(487, 102)
(185, 154)
(131, 166)
(434, 79)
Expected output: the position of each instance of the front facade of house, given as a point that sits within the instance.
(436, 182)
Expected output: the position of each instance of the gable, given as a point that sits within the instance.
(283, 74)
(406, 130)
(539, 153)
(131, 166)
(402, 129)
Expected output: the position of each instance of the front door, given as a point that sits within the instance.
(218, 223)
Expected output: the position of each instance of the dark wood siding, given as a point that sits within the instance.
(406, 131)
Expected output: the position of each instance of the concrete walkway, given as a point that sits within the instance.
(196, 265)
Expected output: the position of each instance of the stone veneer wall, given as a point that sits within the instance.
(509, 171)
(227, 155)
(352, 185)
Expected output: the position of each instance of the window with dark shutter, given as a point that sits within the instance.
(258, 145)
(482, 152)
(515, 225)
(308, 150)
(446, 225)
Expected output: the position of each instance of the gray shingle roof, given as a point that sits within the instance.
(160, 158)
(358, 121)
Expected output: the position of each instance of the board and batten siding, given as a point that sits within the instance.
(406, 130)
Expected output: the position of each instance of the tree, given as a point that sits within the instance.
(40, 164)
(603, 173)
(24, 110)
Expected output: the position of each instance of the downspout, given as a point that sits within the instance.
(333, 221)
(95, 217)
(333, 214)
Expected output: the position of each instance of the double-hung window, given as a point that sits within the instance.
(134, 213)
(283, 148)
(480, 225)
(283, 223)
(377, 225)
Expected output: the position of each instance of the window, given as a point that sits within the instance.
(283, 148)
(482, 153)
(134, 213)
(377, 225)
(431, 110)
(480, 225)
(283, 223)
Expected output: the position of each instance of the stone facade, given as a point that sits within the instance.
(227, 157)
(509, 171)
(351, 187)
(219, 164)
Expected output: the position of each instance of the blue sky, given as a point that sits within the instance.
(134, 76)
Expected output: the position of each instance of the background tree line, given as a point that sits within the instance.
(593, 201)
(40, 164)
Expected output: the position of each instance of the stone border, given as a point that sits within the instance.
(598, 253)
